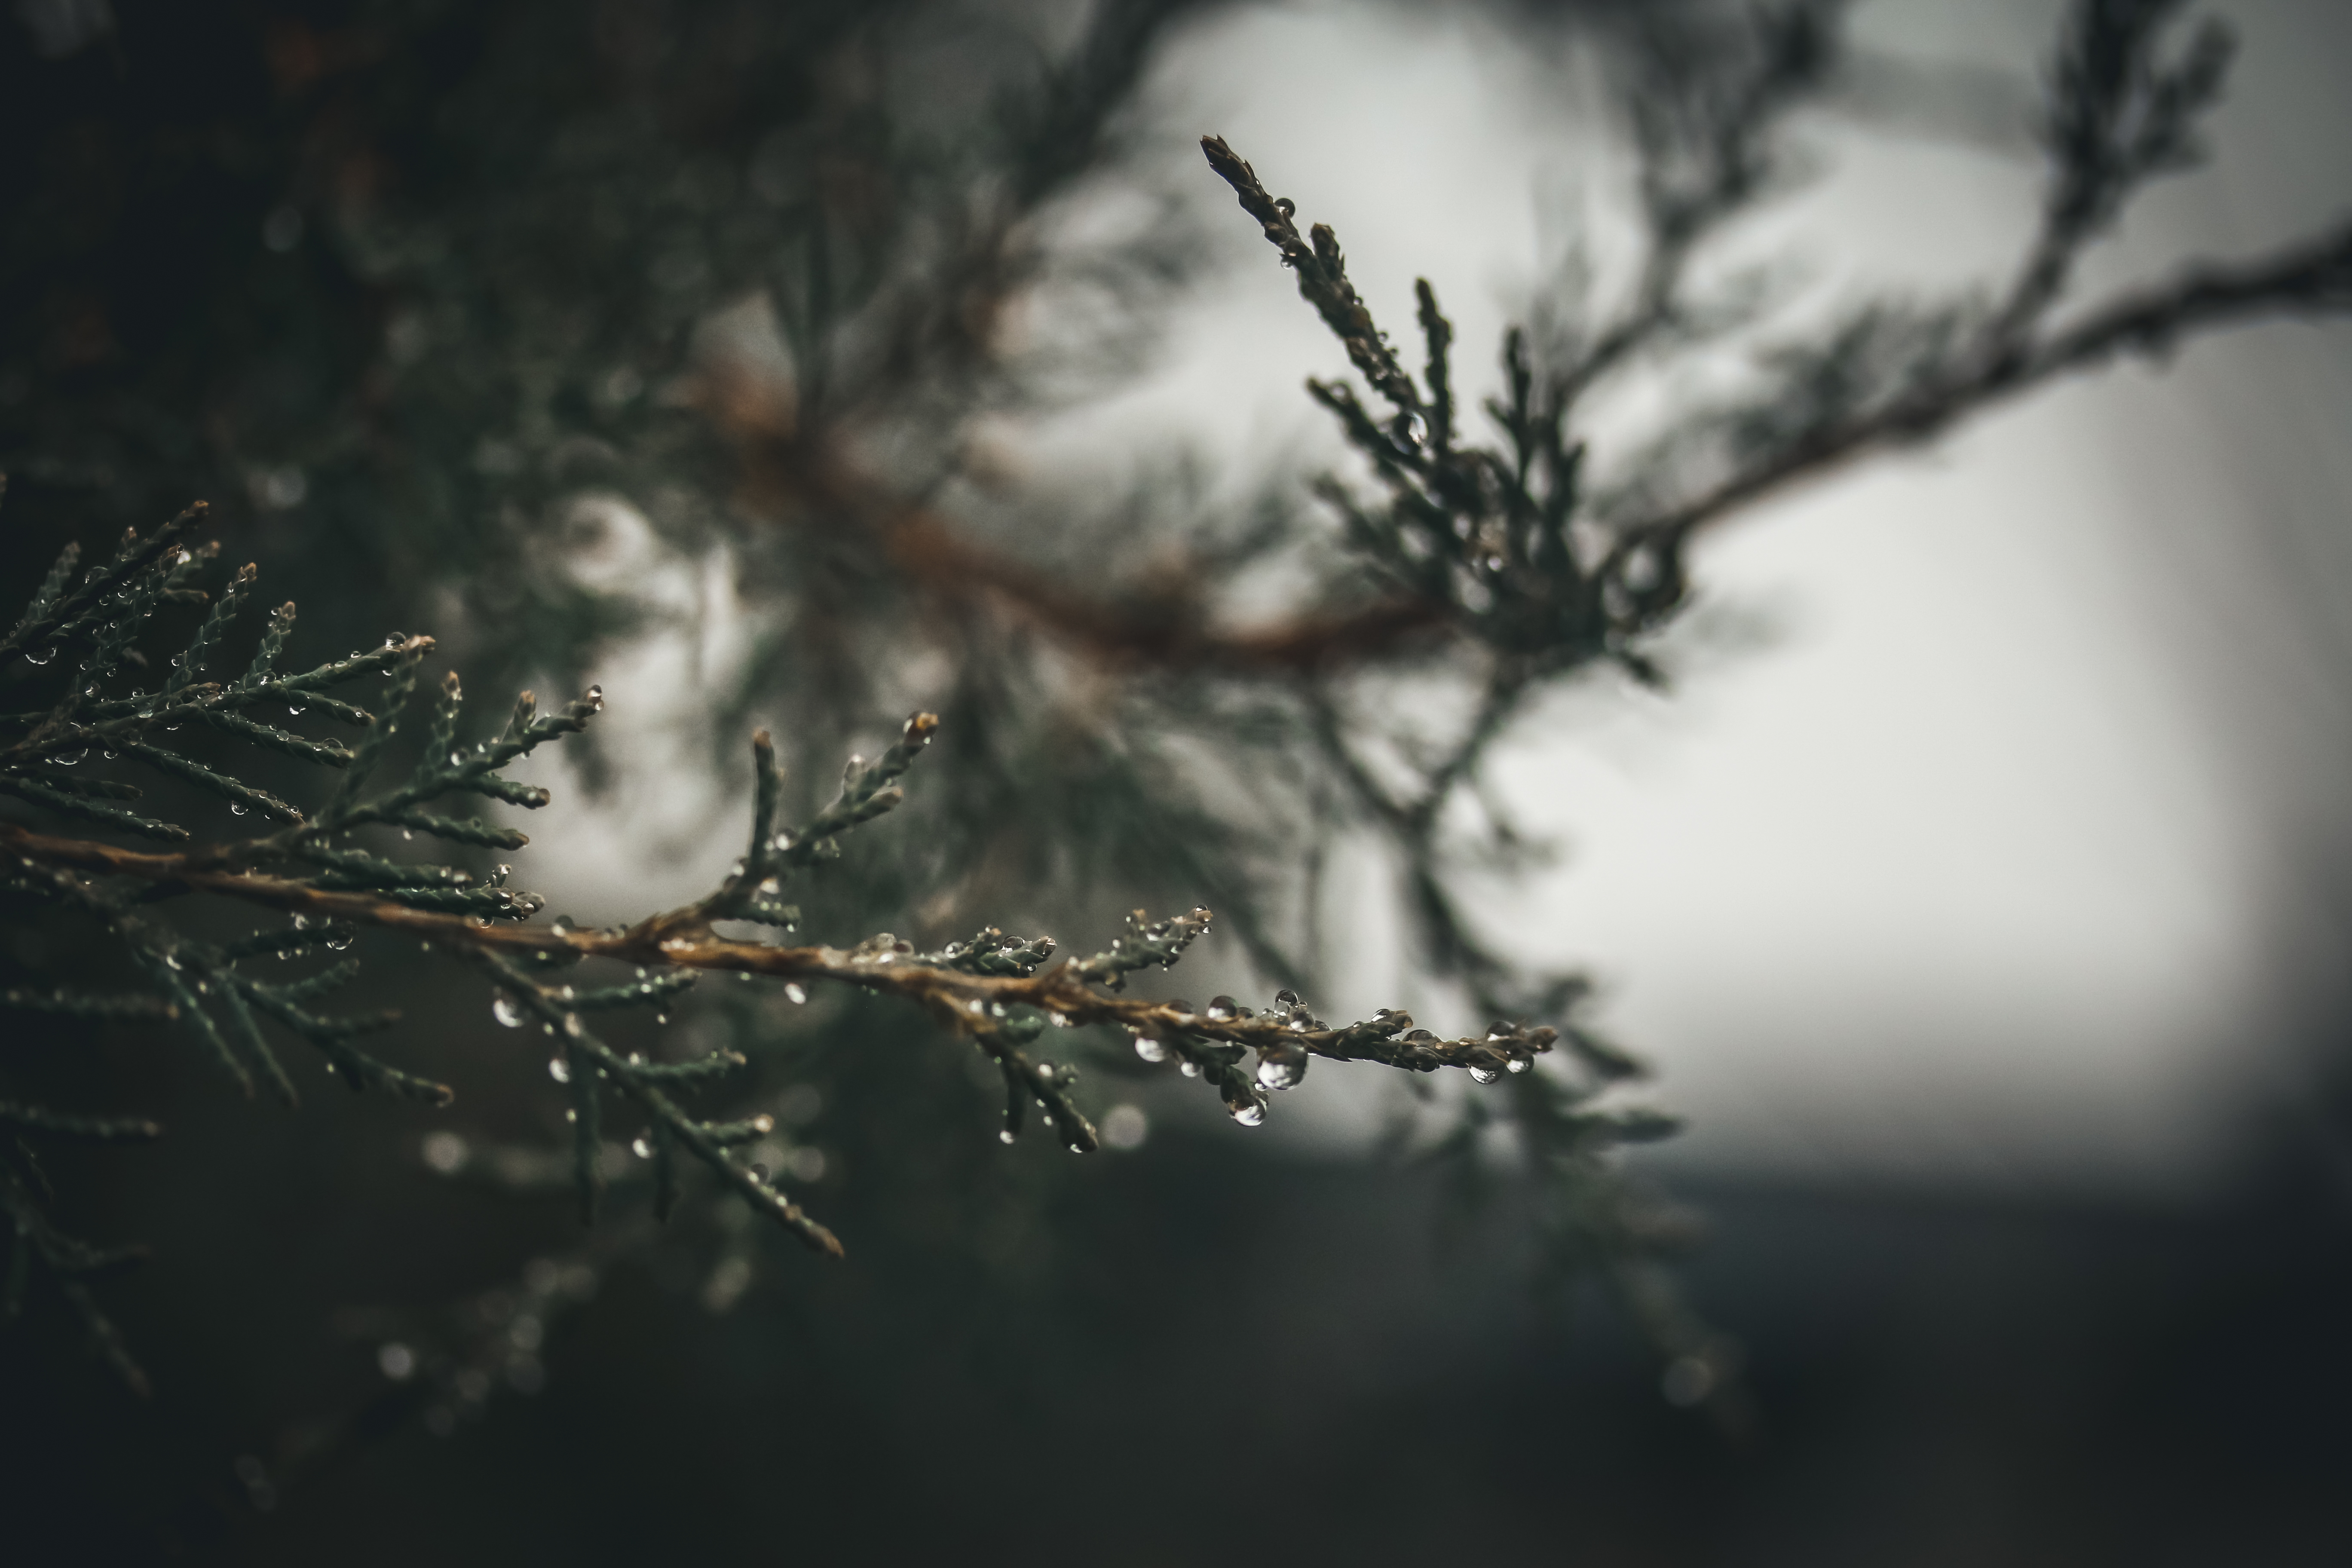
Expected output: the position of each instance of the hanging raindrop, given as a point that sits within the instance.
(559, 1069)
(507, 1010)
(796, 993)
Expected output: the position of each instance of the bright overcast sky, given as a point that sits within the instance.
(1974, 873)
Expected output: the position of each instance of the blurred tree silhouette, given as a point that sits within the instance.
(439, 301)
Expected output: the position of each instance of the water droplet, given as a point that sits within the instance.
(1249, 1112)
(1189, 1068)
(759, 1171)
(1222, 1007)
(1484, 1075)
(1004, 1136)
(171, 961)
(396, 1361)
(70, 759)
(771, 886)
(39, 654)
(1416, 431)
(1517, 1064)
(1280, 1072)
(457, 759)
(597, 698)
(661, 1018)
(507, 1010)
(796, 993)
(1285, 1000)
(236, 808)
(1150, 1049)
(407, 836)
(559, 1069)
(642, 1147)
(341, 939)
(1059, 1020)
(572, 1024)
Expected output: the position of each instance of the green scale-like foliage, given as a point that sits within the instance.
(324, 868)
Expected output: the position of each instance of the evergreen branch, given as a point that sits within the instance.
(93, 1129)
(242, 798)
(333, 1038)
(78, 806)
(246, 1029)
(326, 752)
(2314, 277)
(273, 643)
(73, 1005)
(588, 1062)
(185, 664)
(52, 617)
(68, 1262)
(680, 941)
